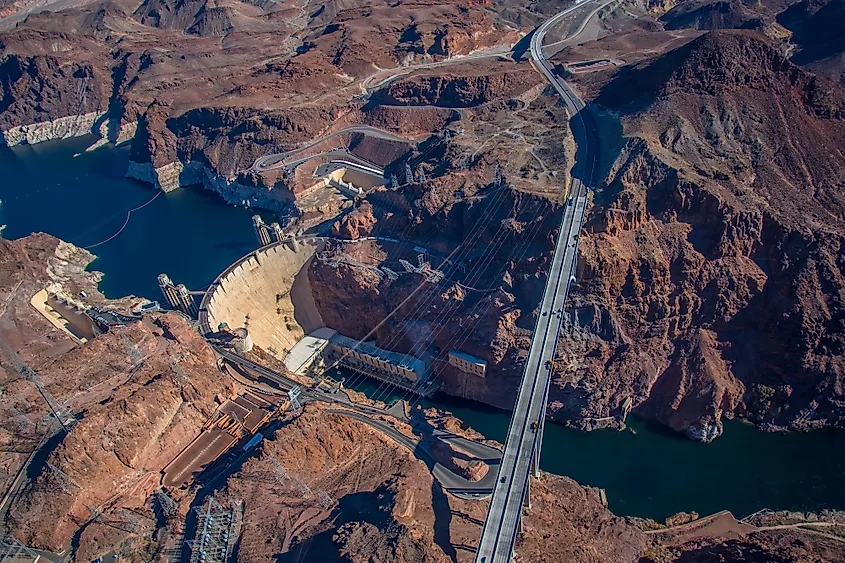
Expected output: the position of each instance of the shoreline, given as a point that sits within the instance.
(626, 464)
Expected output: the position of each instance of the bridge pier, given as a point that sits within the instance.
(538, 445)
(526, 500)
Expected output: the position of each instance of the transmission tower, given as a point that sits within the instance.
(280, 474)
(293, 397)
(284, 478)
(497, 176)
(421, 173)
(165, 503)
(334, 260)
(130, 521)
(15, 551)
(391, 275)
(132, 350)
(62, 414)
(64, 480)
(21, 419)
(394, 183)
(409, 174)
(181, 376)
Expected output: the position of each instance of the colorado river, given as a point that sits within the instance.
(192, 235)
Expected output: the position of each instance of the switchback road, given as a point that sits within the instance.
(277, 160)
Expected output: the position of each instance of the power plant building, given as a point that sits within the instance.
(467, 363)
(365, 357)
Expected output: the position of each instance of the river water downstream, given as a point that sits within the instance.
(192, 235)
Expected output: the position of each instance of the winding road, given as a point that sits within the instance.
(388, 75)
(278, 160)
(451, 482)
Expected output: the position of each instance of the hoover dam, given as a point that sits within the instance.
(267, 292)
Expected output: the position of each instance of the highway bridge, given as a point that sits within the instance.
(525, 435)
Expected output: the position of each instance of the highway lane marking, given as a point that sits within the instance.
(502, 515)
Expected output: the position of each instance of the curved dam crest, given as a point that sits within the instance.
(268, 293)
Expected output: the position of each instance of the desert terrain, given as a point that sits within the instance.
(709, 279)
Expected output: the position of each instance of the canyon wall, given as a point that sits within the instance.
(710, 274)
(502, 238)
(61, 128)
(712, 261)
(140, 394)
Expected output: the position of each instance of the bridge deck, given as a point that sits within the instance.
(524, 440)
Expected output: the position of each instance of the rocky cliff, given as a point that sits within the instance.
(149, 412)
(140, 393)
(205, 111)
(709, 267)
(498, 241)
(461, 90)
(712, 259)
(43, 97)
(709, 14)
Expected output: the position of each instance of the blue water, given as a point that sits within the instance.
(650, 471)
(192, 235)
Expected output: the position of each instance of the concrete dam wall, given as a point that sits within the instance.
(268, 293)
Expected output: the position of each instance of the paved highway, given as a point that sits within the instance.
(450, 481)
(522, 448)
(274, 161)
(284, 382)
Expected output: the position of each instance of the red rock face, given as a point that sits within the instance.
(122, 443)
(709, 269)
(711, 264)
(356, 224)
(460, 90)
(484, 314)
(42, 87)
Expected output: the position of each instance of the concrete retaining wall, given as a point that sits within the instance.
(271, 286)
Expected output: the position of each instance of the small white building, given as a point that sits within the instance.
(467, 363)
(306, 351)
